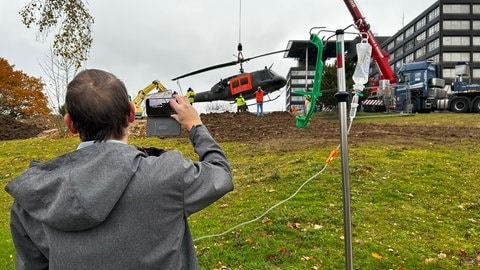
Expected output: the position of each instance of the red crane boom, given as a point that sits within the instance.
(378, 55)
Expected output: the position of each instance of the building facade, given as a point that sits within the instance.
(447, 32)
(301, 76)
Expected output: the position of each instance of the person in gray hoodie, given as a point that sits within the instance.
(109, 205)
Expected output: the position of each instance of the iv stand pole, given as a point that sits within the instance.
(342, 97)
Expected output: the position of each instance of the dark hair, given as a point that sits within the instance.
(98, 104)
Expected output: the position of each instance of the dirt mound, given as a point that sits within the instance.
(277, 129)
(245, 126)
(12, 129)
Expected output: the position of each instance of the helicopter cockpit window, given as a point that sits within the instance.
(244, 81)
(241, 84)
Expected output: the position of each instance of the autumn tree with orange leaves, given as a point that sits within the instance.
(20, 95)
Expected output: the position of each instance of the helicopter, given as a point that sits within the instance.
(245, 83)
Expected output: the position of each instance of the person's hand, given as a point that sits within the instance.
(185, 114)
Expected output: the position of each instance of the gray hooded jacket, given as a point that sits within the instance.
(110, 206)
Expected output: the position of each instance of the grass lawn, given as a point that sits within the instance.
(413, 206)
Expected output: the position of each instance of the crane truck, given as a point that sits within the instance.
(137, 101)
(418, 86)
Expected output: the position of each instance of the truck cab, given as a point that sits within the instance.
(419, 87)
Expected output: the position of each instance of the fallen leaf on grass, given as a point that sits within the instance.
(442, 256)
(377, 256)
(284, 251)
(311, 226)
(430, 260)
(306, 258)
(474, 220)
(270, 257)
(295, 225)
(249, 240)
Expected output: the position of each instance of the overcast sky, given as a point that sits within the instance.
(142, 41)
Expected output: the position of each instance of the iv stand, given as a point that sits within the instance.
(342, 97)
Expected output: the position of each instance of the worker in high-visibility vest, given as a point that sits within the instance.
(190, 95)
(241, 104)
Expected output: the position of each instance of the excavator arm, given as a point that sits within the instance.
(141, 96)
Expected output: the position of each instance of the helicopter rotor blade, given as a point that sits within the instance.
(262, 55)
(231, 63)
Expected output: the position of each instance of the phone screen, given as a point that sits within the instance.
(159, 107)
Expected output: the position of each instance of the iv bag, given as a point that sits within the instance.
(364, 52)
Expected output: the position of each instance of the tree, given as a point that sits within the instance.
(330, 84)
(59, 72)
(20, 94)
(73, 21)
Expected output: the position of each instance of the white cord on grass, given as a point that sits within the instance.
(268, 210)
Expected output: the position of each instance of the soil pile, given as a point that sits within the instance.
(276, 128)
(11, 129)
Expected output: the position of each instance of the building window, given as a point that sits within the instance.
(476, 25)
(297, 72)
(420, 52)
(433, 14)
(433, 45)
(476, 73)
(456, 25)
(390, 46)
(297, 98)
(398, 65)
(302, 72)
(302, 81)
(421, 23)
(409, 45)
(409, 31)
(435, 58)
(456, 56)
(448, 73)
(399, 38)
(421, 37)
(409, 58)
(399, 52)
(433, 29)
(456, 41)
(476, 9)
(476, 57)
(456, 9)
(476, 41)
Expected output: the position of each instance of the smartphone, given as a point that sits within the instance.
(159, 120)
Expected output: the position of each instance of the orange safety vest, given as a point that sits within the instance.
(259, 95)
